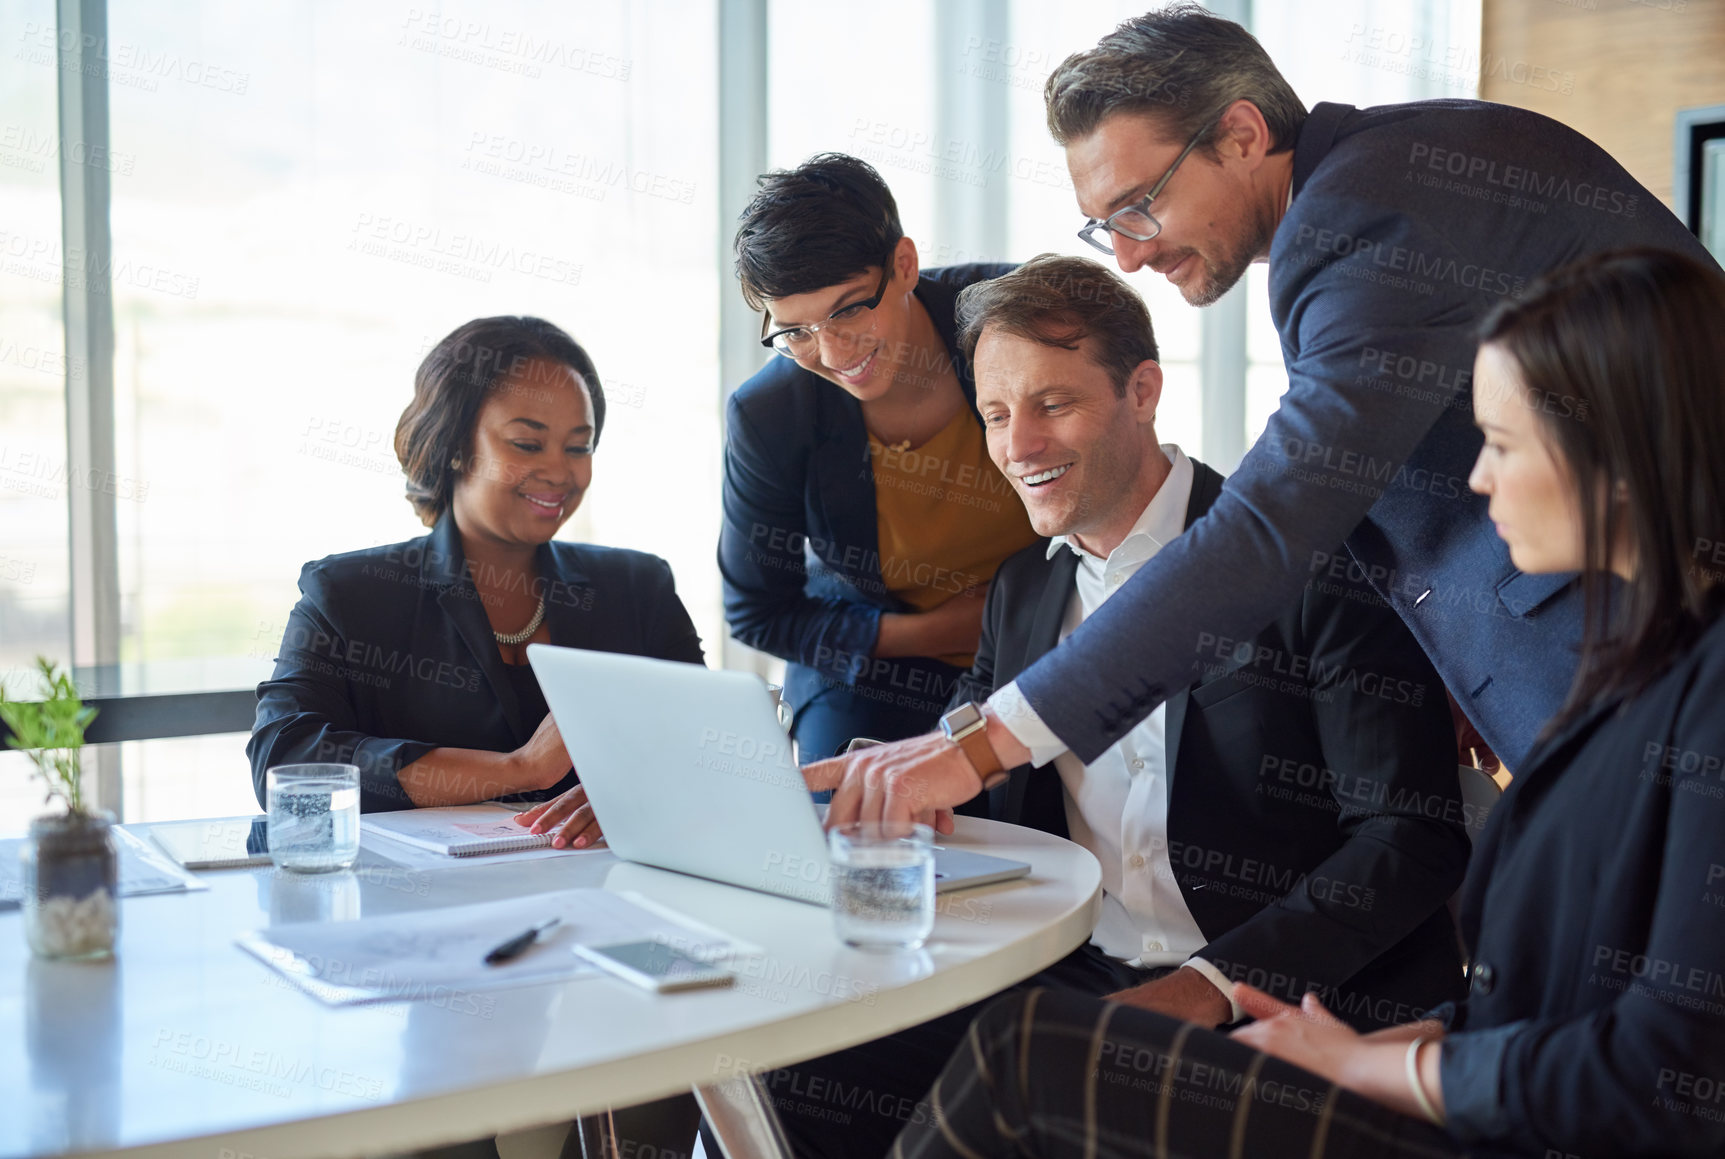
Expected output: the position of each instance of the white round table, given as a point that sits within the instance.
(186, 1045)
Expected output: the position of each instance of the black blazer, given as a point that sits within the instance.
(799, 549)
(1314, 820)
(1595, 910)
(388, 654)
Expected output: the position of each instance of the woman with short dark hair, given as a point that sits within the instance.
(863, 518)
(1592, 911)
(410, 660)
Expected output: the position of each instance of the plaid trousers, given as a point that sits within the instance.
(1061, 1076)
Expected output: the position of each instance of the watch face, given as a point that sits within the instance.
(961, 718)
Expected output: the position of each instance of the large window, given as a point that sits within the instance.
(329, 191)
(305, 196)
(310, 196)
(35, 567)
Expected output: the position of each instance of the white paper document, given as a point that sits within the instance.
(432, 953)
(142, 869)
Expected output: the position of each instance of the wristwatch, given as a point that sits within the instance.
(966, 727)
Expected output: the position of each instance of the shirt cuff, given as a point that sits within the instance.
(1022, 722)
(1220, 981)
(1470, 1071)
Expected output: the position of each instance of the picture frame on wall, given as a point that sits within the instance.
(1698, 179)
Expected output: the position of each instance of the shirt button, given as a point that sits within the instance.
(1137, 861)
(1137, 764)
(1152, 946)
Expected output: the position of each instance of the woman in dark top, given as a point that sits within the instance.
(1594, 909)
(863, 518)
(410, 660)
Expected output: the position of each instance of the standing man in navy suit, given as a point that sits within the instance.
(1390, 232)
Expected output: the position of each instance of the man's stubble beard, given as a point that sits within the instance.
(1220, 277)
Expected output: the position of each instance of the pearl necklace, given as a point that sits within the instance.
(527, 632)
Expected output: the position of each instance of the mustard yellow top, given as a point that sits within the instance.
(946, 516)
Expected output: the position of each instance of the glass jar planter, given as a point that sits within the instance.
(71, 874)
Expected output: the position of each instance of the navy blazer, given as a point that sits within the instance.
(799, 549)
(1595, 910)
(1408, 223)
(388, 654)
(1314, 815)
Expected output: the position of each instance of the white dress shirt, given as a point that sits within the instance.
(1117, 806)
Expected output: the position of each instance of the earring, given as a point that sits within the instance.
(455, 463)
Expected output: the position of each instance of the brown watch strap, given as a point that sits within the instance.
(981, 755)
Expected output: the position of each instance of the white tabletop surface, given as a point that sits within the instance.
(186, 1045)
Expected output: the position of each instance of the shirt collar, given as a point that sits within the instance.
(1160, 521)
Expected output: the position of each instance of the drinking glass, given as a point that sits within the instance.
(883, 884)
(313, 816)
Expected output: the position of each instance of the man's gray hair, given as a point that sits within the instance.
(1182, 64)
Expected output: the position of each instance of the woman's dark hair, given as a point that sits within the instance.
(1181, 64)
(454, 381)
(827, 220)
(1622, 356)
(1060, 301)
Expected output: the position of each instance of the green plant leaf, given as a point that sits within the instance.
(51, 732)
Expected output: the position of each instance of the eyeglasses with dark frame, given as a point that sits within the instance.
(1135, 221)
(795, 340)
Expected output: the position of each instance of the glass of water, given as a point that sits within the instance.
(883, 884)
(314, 816)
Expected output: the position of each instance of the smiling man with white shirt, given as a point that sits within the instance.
(1292, 819)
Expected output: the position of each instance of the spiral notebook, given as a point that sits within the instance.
(457, 830)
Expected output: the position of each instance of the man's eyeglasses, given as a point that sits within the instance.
(799, 341)
(1135, 221)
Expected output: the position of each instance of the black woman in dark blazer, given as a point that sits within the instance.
(862, 518)
(1593, 909)
(410, 660)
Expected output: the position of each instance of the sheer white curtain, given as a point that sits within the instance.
(324, 191)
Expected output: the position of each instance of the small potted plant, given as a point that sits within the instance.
(70, 866)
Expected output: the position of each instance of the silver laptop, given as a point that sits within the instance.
(689, 769)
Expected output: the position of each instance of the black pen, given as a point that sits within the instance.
(513, 948)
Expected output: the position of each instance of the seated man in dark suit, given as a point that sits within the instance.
(1292, 820)
(1294, 816)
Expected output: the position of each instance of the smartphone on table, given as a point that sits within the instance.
(654, 965)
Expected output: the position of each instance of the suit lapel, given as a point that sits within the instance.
(445, 570)
(1060, 576)
(1557, 752)
(571, 602)
(842, 470)
(1174, 725)
(1042, 636)
(1546, 760)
